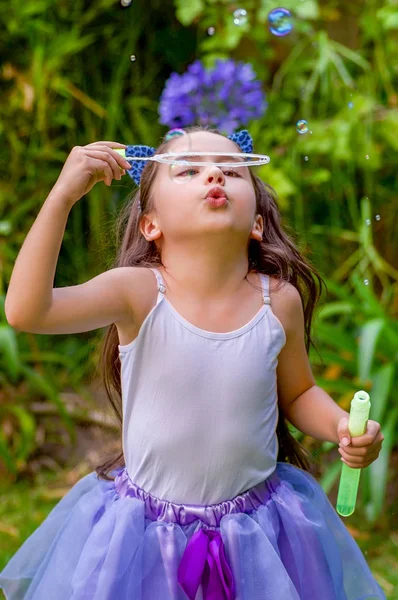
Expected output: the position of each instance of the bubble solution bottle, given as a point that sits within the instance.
(349, 480)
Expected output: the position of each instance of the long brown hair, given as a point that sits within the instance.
(276, 255)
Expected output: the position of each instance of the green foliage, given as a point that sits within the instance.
(359, 348)
(187, 12)
(18, 440)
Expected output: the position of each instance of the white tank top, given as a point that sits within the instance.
(200, 408)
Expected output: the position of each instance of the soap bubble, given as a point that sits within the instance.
(183, 166)
(280, 21)
(174, 133)
(306, 158)
(366, 281)
(133, 58)
(211, 31)
(367, 157)
(302, 126)
(350, 104)
(377, 217)
(367, 221)
(240, 16)
(125, 2)
(181, 173)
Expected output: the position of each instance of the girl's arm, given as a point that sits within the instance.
(316, 414)
(306, 406)
(30, 301)
(29, 293)
(32, 305)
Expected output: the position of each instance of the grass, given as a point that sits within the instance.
(24, 506)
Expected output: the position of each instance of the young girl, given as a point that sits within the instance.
(211, 498)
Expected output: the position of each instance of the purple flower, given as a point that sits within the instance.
(226, 97)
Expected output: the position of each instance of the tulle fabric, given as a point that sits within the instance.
(282, 541)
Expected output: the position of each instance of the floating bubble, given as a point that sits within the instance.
(125, 2)
(240, 16)
(133, 58)
(367, 157)
(211, 31)
(184, 165)
(280, 21)
(306, 158)
(302, 126)
(366, 281)
(181, 173)
(234, 159)
(350, 104)
(377, 217)
(174, 133)
(367, 221)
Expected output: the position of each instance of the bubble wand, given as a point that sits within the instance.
(250, 160)
(349, 480)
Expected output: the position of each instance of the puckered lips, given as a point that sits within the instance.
(216, 196)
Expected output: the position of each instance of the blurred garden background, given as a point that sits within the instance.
(72, 73)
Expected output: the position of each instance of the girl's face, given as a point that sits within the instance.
(179, 192)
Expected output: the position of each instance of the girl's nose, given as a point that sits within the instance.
(215, 174)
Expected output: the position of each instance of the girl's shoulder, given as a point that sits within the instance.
(145, 294)
(276, 284)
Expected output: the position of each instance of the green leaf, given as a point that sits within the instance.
(278, 179)
(188, 11)
(9, 357)
(40, 384)
(26, 434)
(335, 308)
(331, 475)
(388, 16)
(350, 54)
(377, 472)
(382, 389)
(388, 128)
(6, 455)
(341, 69)
(318, 176)
(335, 336)
(32, 9)
(370, 304)
(308, 10)
(370, 333)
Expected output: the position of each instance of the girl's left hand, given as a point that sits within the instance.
(363, 449)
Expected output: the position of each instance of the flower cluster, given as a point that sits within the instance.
(226, 97)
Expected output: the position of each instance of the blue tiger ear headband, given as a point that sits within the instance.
(242, 138)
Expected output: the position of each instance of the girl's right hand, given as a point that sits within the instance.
(86, 165)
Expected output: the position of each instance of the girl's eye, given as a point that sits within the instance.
(196, 170)
(187, 171)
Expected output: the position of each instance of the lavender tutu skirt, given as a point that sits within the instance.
(281, 540)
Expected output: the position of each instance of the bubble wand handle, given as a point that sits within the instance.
(122, 152)
(349, 479)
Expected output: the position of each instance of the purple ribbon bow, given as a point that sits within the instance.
(204, 561)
